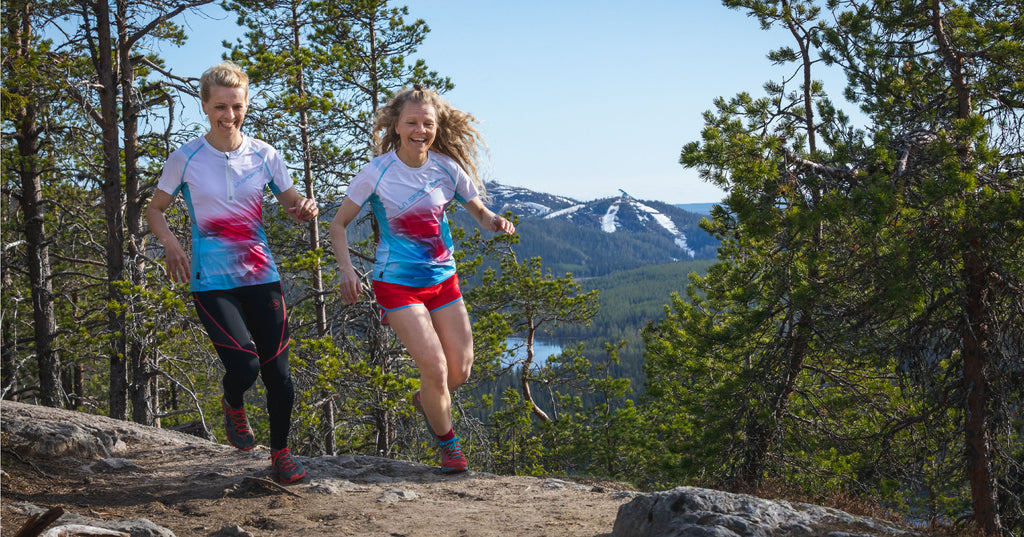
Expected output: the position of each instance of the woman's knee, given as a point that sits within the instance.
(434, 373)
(277, 372)
(281, 387)
(457, 376)
(241, 371)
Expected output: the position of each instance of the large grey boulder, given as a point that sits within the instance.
(136, 527)
(696, 512)
(37, 432)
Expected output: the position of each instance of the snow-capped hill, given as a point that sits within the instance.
(619, 215)
(670, 226)
(525, 202)
(633, 215)
(565, 212)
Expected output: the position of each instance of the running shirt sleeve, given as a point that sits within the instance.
(172, 177)
(364, 183)
(281, 180)
(465, 188)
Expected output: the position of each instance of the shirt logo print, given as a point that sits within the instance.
(245, 179)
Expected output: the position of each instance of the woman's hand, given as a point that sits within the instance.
(178, 265)
(486, 218)
(300, 208)
(500, 223)
(304, 209)
(349, 285)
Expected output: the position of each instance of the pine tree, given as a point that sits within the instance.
(942, 184)
(521, 298)
(25, 95)
(868, 277)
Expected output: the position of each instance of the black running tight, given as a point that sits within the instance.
(249, 329)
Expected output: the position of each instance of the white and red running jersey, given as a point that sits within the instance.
(224, 194)
(409, 204)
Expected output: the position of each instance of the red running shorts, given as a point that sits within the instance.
(392, 296)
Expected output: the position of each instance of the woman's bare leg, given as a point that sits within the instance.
(414, 328)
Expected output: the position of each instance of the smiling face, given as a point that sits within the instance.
(226, 109)
(416, 129)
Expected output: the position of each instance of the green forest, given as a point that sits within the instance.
(859, 338)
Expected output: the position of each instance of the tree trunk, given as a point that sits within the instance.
(977, 339)
(141, 359)
(385, 432)
(319, 300)
(39, 273)
(763, 436)
(377, 346)
(8, 351)
(524, 376)
(36, 241)
(330, 445)
(79, 385)
(103, 58)
(8, 342)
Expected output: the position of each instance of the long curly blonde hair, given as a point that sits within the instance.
(456, 136)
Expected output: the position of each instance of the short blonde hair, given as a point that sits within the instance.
(456, 136)
(227, 74)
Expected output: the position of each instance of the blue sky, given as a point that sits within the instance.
(577, 98)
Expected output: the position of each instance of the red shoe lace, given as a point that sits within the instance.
(452, 449)
(238, 421)
(283, 459)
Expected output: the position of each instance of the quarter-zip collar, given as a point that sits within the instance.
(228, 157)
(227, 176)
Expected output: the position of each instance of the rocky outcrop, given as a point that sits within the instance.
(696, 512)
(149, 482)
(40, 432)
(137, 527)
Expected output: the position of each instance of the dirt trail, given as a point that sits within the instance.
(195, 488)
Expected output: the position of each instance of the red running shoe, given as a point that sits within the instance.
(287, 469)
(236, 426)
(452, 459)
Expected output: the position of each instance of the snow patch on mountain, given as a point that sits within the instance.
(608, 222)
(525, 202)
(565, 212)
(669, 226)
(536, 209)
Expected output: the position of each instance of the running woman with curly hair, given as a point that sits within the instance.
(428, 154)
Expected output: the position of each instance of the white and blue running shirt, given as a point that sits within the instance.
(409, 204)
(224, 194)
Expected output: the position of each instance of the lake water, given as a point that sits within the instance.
(542, 350)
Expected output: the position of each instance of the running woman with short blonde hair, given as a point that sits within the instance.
(235, 285)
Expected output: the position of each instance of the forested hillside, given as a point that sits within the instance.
(629, 301)
(856, 333)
